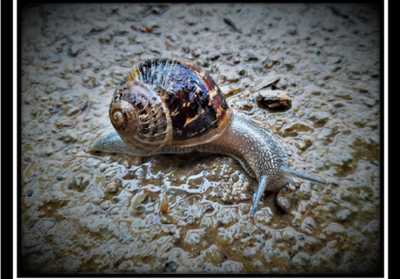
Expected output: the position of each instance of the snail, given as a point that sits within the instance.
(172, 106)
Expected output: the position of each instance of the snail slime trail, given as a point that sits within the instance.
(172, 106)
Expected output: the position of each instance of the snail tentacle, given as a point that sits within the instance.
(291, 172)
(260, 190)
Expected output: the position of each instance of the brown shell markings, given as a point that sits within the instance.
(198, 111)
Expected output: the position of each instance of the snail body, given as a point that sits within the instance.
(171, 106)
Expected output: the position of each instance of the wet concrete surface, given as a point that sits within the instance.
(90, 212)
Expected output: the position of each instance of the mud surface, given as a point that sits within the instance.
(88, 212)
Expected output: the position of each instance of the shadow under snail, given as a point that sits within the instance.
(172, 106)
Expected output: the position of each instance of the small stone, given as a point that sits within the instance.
(242, 72)
(112, 188)
(114, 185)
(171, 266)
(275, 98)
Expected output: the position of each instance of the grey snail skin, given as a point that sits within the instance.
(171, 106)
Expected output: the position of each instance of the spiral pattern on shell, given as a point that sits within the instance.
(140, 117)
(168, 102)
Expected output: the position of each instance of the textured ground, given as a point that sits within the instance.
(86, 212)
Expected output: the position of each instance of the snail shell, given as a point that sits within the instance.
(168, 102)
(172, 106)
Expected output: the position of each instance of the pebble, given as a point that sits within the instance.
(112, 188)
(171, 266)
(275, 99)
